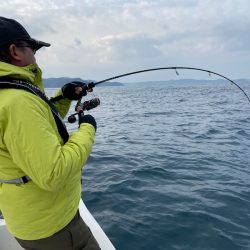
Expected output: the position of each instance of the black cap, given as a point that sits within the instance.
(12, 31)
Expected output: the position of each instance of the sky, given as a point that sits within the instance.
(97, 39)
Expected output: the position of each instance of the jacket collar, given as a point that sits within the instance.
(31, 73)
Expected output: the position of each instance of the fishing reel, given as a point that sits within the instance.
(80, 107)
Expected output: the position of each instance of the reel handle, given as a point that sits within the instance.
(87, 105)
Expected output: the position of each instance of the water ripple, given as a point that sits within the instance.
(170, 167)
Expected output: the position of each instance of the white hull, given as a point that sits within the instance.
(7, 242)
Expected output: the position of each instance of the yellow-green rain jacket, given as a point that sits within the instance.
(30, 145)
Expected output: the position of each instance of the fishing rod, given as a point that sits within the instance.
(95, 102)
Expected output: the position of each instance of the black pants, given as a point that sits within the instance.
(75, 236)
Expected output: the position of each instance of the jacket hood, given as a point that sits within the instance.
(31, 73)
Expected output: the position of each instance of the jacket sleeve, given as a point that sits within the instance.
(33, 142)
(62, 105)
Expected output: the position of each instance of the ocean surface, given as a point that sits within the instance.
(170, 167)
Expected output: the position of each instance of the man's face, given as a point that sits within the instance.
(26, 52)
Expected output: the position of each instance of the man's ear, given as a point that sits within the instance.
(14, 53)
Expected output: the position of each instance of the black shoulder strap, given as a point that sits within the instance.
(18, 84)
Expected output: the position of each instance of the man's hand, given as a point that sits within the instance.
(74, 90)
(86, 119)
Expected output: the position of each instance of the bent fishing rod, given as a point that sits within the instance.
(87, 105)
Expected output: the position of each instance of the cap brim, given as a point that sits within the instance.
(38, 44)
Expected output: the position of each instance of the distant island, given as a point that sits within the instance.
(60, 81)
(193, 81)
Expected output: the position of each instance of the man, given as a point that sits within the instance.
(40, 165)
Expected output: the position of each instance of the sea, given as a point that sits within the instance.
(170, 167)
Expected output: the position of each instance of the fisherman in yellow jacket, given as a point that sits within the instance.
(40, 165)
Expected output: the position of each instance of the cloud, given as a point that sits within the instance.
(131, 46)
(95, 37)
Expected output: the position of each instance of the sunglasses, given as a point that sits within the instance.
(26, 45)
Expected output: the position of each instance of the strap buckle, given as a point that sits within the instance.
(17, 181)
